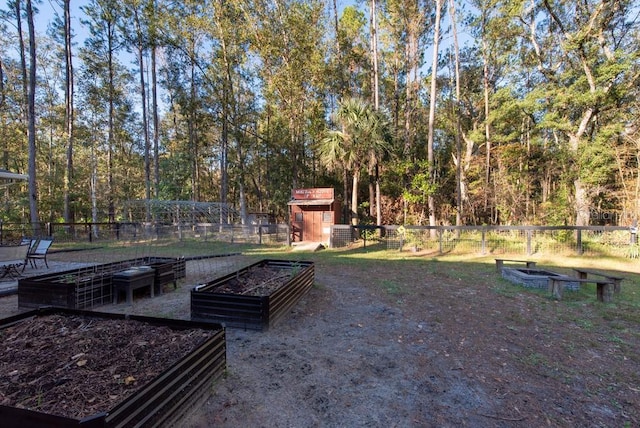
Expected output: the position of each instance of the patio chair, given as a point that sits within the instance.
(12, 258)
(39, 251)
(31, 242)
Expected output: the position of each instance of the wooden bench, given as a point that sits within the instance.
(584, 274)
(604, 287)
(500, 263)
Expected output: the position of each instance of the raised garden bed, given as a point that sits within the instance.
(255, 297)
(64, 368)
(90, 287)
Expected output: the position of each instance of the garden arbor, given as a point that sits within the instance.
(178, 212)
(7, 177)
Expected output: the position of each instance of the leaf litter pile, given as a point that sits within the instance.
(256, 281)
(77, 366)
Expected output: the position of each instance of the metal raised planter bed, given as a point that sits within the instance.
(91, 286)
(252, 312)
(75, 289)
(170, 396)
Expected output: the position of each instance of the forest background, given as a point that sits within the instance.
(532, 119)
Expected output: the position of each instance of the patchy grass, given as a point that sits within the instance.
(523, 348)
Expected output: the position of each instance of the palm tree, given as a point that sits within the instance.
(363, 134)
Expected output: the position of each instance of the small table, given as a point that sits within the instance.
(132, 279)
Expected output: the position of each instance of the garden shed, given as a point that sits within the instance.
(312, 212)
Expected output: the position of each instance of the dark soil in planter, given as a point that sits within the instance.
(77, 366)
(257, 281)
(255, 297)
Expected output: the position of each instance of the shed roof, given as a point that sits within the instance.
(311, 202)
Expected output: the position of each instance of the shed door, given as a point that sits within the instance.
(312, 226)
(317, 226)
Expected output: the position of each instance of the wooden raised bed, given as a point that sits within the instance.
(256, 312)
(89, 287)
(164, 401)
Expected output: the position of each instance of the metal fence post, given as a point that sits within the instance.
(529, 233)
(579, 241)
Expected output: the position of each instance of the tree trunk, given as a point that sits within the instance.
(460, 186)
(241, 180)
(228, 108)
(93, 184)
(432, 115)
(193, 144)
(378, 198)
(582, 199)
(487, 122)
(156, 124)
(374, 185)
(345, 191)
(3, 121)
(23, 60)
(31, 114)
(224, 153)
(354, 197)
(69, 215)
(2, 95)
(25, 79)
(111, 132)
(154, 106)
(145, 119)
(374, 54)
(411, 60)
(372, 188)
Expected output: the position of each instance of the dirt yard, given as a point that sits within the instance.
(422, 344)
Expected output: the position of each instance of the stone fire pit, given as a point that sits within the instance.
(534, 278)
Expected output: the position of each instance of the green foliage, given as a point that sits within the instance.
(556, 211)
(421, 185)
(597, 164)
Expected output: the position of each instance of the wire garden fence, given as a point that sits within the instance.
(135, 231)
(498, 240)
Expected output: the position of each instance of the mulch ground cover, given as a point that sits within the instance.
(77, 366)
